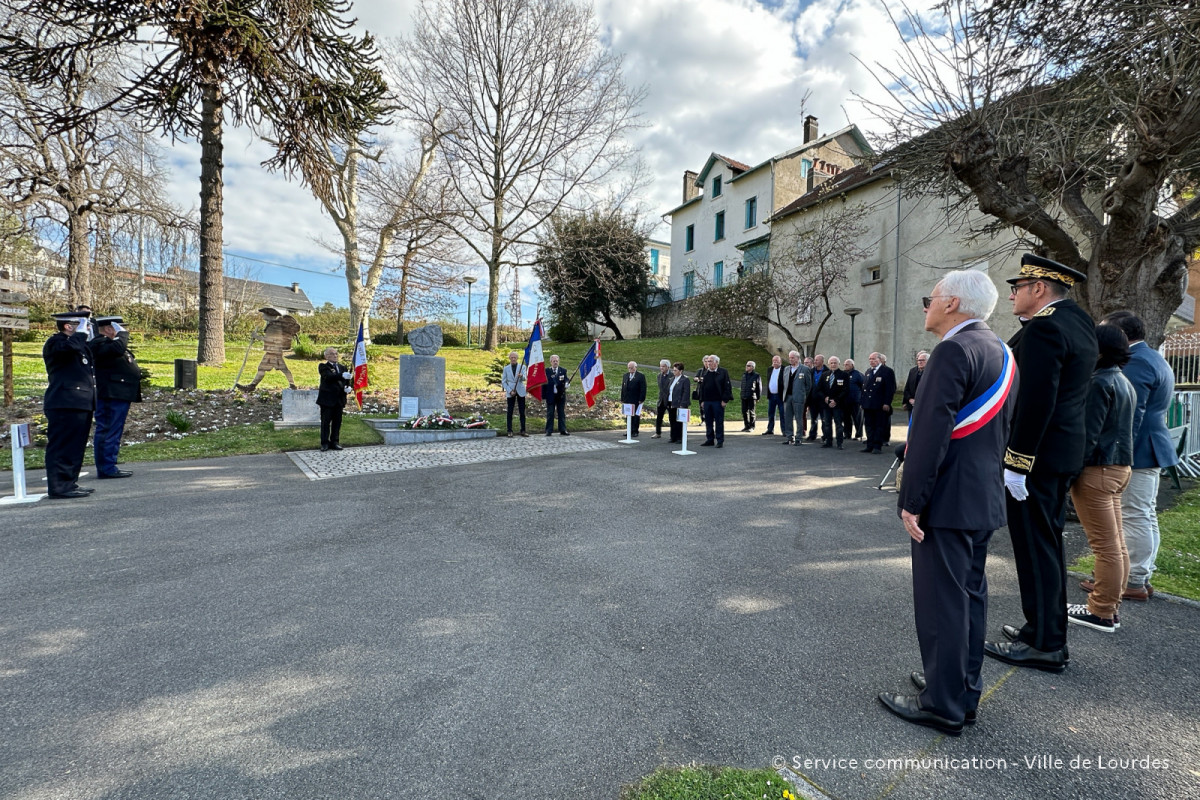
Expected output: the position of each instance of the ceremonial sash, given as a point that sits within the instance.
(982, 409)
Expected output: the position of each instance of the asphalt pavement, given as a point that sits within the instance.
(546, 627)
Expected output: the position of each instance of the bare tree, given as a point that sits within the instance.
(75, 177)
(289, 68)
(1076, 125)
(810, 259)
(535, 112)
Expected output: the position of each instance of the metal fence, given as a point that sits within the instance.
(1185, 410)
(1182, 352)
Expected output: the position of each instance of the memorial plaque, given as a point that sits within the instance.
(300, 409)
(424, 377)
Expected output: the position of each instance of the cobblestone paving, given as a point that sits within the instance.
(396, 458)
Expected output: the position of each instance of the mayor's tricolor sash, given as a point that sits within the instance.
(982, 409)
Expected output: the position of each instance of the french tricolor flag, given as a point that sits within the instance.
(360, 380)
(535, 378)
(592, 371)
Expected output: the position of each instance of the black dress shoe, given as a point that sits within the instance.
(1011, 632)
(118, 474)
(564, 433)
(918, 680)
(325, 447)
(84, 489)
(707, 444)
(720, 445)
(876, 451)
(336, 447)
(70, 494)
(908, 708)
(866, 449)
(1020, 654)
(827, 444)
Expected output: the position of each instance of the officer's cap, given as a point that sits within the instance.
(102, 321)
(1043, 269)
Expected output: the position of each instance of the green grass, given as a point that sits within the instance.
(239, 440)
(1178, 570)
(707, 783)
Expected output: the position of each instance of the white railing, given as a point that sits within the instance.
(1182, 352)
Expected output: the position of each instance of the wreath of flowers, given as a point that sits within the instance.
(441, 420)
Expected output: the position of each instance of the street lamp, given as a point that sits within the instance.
(852, 313)
(467, 279)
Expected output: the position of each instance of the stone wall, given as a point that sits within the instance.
(682, 318)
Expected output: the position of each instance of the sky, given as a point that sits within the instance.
(735, 77)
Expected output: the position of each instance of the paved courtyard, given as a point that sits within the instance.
(549, 626)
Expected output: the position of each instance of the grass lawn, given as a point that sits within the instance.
(708, 783)
(1178, 570)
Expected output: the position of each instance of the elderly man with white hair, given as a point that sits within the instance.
(952, 498)
(879, 387)
(664, 395)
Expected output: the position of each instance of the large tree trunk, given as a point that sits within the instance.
(79, 284)
(1148, 280)
(211, 349)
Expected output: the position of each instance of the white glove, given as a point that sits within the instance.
(84, 327)
(347, 390)
(1015, 483)
(117, 327)
(346, 375)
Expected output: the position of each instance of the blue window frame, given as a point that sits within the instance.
(689, 284)
(689, 238)
(716, 184)
(805, 166)
(751, 212)
(653, 261)
(719, 226)
(719, 274)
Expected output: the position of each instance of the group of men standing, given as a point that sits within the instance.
(997, 434)
(91, 376)
(834, 396)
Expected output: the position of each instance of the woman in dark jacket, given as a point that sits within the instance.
(1096, 493)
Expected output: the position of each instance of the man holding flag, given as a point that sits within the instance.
(360, 381)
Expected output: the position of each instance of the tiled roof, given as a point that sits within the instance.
(739, 166)
(843, 182)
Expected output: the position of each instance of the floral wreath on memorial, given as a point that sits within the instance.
(441, 420)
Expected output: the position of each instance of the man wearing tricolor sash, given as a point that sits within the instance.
(952, 498)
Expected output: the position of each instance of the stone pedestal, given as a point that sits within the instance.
(424, 377)
(300, 409)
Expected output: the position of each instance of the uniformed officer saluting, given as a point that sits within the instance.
(68, 403)
(118, 383)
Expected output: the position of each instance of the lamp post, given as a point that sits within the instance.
(852, 313)
(469, 280)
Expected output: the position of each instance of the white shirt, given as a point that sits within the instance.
(773, 383)
(959, 327)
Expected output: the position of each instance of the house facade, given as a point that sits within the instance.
(721, 229)
(658, 273)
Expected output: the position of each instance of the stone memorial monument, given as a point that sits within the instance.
(423, 374)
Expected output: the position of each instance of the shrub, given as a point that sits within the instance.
(451, 340)
(304, 347)
(385, 338)
(567, 329)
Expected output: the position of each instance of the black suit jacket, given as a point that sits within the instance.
(556, 384)
(633, 388)
(117, 374)
(69, 368)
(664, 385)
(958, 483)
(682, 396)
(910, 387)
(1056, 354)
(332, 390)
(879, 387)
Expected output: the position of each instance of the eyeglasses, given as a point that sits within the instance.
(928, 301)
(1016, 287)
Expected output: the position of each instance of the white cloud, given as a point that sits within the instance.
(723, 75)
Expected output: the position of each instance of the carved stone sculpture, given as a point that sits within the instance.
(426, 341)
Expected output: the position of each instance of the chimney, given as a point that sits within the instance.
(690, 189)
(296, 288)
(810, 128)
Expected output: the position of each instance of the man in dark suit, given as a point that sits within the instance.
(68, 403)
(331, 397)
(797, 388)
(554, 392)
(679, 395)
(879, 387)
(911, 383)
(816, 398)
(1056, 352)
(952, 498)
(633, 392)
(715, 392)
(834, 389)
(664, 378)
(751, 391)
(118, 385)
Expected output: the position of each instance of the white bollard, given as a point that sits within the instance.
(684, 416)
(20, 439)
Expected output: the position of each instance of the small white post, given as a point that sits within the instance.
(19, 433)
(684, 416)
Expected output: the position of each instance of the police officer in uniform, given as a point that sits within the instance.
(1056, 352)
(118, 384)
(68, 403)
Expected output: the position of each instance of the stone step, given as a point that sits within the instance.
(393, 436)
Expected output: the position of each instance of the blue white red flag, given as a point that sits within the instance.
(591, 369)
(535, 378)
(982, 409)
(359, 379)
